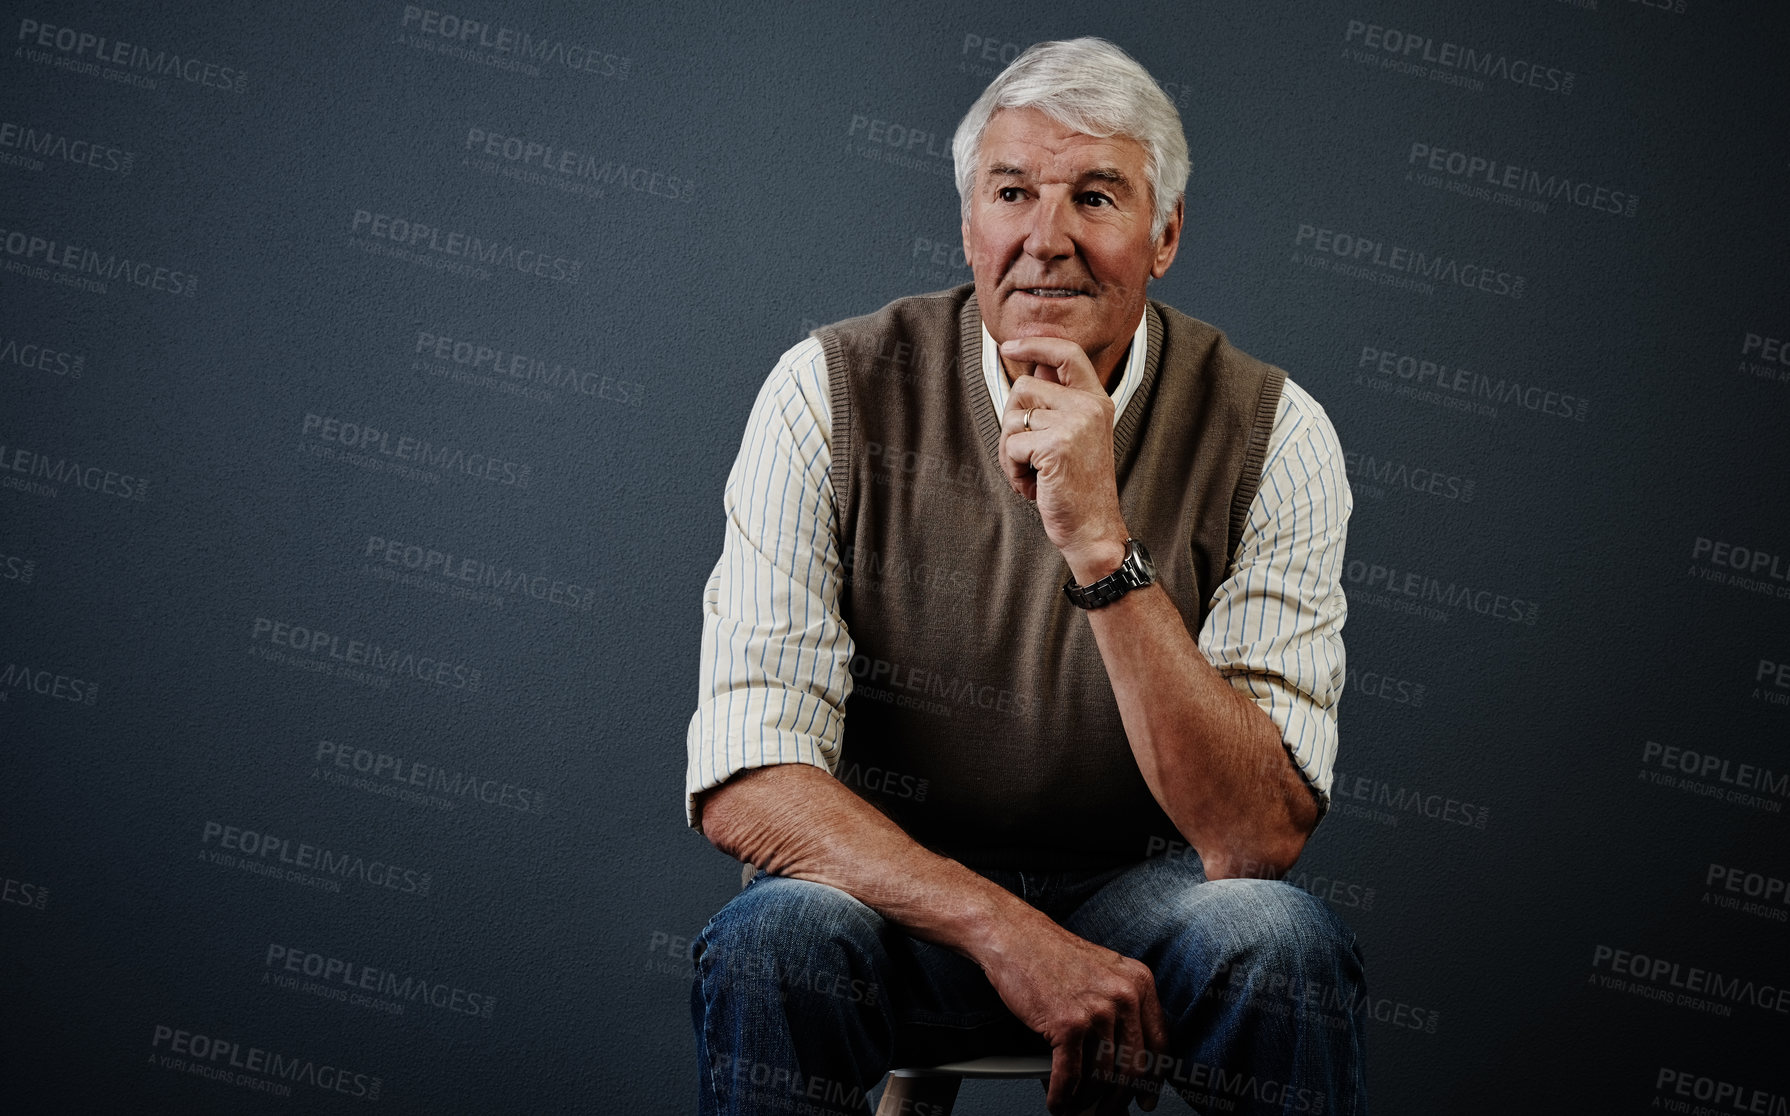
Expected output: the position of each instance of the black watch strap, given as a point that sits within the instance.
(1135, 572)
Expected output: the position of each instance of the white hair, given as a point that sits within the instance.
(1094, 87)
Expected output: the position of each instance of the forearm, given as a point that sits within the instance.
(1211, 757)
(796, 820)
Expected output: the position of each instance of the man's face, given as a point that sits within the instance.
(1058, 235)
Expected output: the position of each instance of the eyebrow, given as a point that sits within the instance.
(1113, 176)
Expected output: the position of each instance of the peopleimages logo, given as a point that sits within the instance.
(903, 145)
(263, 854)
(1350, 792)
(1398, 691)
(941, 251)
(42, 358)
(234, 1063)
(450, 571)
(526, 374)
(1376, 260)
(1337, 892)
(873, 570)
(91, 268)
(15, 568)
(86, 52)
(1764, 896)
(1739, 1099)
(31, 471)
(1713, 776)
(44, 144)
(384, 773)
(878, 780)
(1367, 471)
(335, 654)
(1461, 388)
(32, 896)
(1741, 567)
(1764, 358)
(405, 451)
(888, 133)
(1759, 563)
(1478, 176)
(505, 48)
(334, 978)
(24, 678)
(1657, 978)
(913, 688)
(1453, 63)
(456, 251)
(1771, 679)
(1414, 591)
(1212, 1086)
(559, 160)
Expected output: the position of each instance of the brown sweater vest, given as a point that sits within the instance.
(981, 718)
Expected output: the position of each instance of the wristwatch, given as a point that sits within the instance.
(1135, 572)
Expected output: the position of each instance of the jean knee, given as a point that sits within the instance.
(1266, 935)
(1276, 919)
(786, 931)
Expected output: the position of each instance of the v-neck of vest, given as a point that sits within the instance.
(988, 421)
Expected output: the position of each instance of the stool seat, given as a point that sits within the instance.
(1005, 1065)
(932, 1090)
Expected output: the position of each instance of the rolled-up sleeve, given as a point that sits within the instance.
(775, 667)
(1275, 628)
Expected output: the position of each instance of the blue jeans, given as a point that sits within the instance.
(804, 997)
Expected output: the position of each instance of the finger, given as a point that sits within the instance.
(1104, 1041)
(1149, 1074)
(1030, 391)
(1056, 360)
(1156, 1041)
(1065, 1073)
(1014, 421)
(1104, 1086)
(1133, 1059)
(1155, 1024)
(1021, 477)
(1054, 352)
(1016, 460)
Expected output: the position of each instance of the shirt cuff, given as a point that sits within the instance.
(715, 760)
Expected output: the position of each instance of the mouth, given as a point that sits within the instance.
(1051, 292)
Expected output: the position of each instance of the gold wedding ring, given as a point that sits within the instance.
(1029, 411)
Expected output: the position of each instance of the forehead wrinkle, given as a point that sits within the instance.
(1112, 176)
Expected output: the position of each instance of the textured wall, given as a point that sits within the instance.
(294, 297)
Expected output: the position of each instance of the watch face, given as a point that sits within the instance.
(1144, 570)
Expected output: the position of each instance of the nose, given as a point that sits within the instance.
(1051, 236)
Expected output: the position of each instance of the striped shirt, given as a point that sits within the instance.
(775, 652)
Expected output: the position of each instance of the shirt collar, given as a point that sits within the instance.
(1129, 375)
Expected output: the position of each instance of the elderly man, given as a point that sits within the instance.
(999, 796)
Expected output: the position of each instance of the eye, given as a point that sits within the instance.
(1009, 193)
(1096, 200)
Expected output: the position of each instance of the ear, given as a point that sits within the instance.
(969, 256)
(1168, 243)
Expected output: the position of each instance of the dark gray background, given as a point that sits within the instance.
(566, 917)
